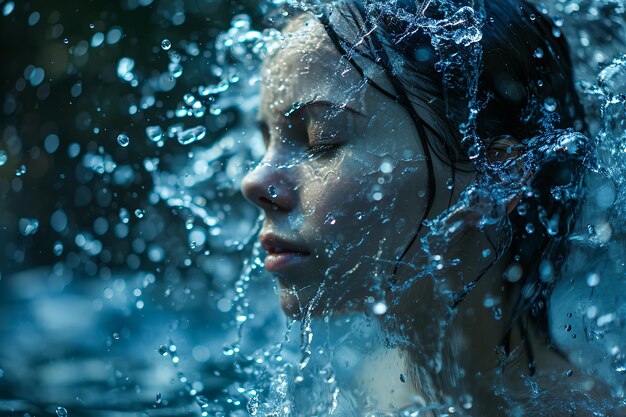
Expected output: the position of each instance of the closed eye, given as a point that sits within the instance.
(321, 149)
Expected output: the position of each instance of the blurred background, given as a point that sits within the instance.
(125, 131)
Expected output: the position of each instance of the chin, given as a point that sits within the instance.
(295, 305)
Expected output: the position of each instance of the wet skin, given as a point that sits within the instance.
(342, 184)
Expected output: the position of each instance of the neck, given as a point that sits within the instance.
(458, 359)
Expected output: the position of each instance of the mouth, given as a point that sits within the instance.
(281, 253)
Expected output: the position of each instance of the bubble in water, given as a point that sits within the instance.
(61, 412)
(166, 44)
(123, 140)
(3, 158)
(272, 191)
(538, 53)
(140, 213)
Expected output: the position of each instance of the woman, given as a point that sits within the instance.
(413, 153)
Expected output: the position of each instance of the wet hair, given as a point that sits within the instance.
(524, 88)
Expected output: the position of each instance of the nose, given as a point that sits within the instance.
(270, 187)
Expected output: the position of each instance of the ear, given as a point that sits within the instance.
(501, 150)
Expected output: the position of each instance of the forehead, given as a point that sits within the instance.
(308, 67)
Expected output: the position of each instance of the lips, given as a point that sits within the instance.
(281, 253)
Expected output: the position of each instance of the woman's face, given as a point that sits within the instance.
(343, 181)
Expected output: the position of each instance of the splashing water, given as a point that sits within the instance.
(199, 145)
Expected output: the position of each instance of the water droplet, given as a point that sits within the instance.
(189, 99)
(163, 350)
(593, 279)
(466, 401)
(57, 248)
(530, 228)
(189, 136)
(549, 104)
(91, 26)
(166, 44)
(272, 191)
(215, 110)
(61, 412)
(159, 398)
(538, 53)
(403, 378)
(386, 167)
(124, 215)
(154, 133)
(66, 41)
(3, 158)
(379, 308)
(140, 213)
(473, 152)
(123, 140)
(253, 405)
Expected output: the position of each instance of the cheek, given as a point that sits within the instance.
(353, 204)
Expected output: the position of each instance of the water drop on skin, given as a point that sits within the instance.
(166, 44)
(272, 191)
(123, 140)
